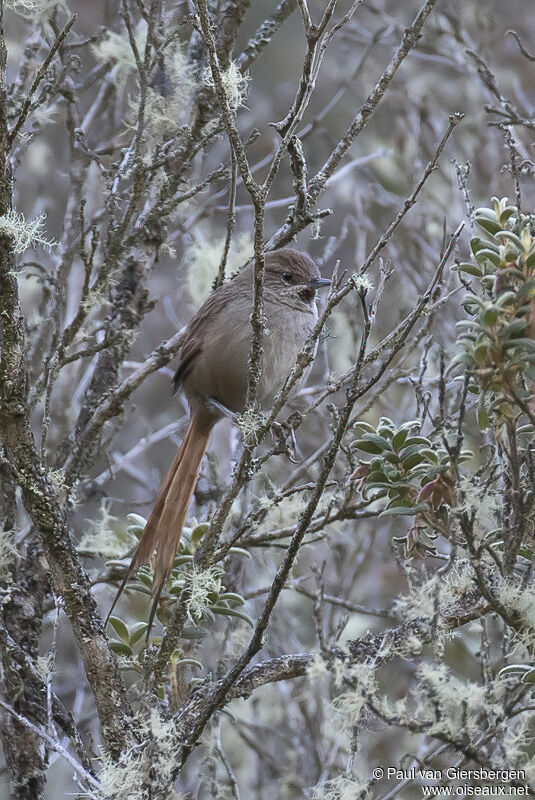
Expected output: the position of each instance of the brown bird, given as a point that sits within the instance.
(213, 373)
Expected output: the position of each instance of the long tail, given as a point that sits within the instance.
(164, 526)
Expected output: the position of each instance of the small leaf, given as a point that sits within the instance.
(120, 628)
(506, 213)
(365, 426)
(511, 237)
(199, 531)
(488, 225)
(480, 353)
(402, 511)
(231, 612)
(121, 648)
(490, 317)
(181, 560)
(137, 519)
(193, 632)
(192, 662)
(136, 631)
(514, 669)
(232, 597)
(529, 677)
(399, 438)
(470, 269)
(513, 328)
(240, 551)
(368, 447)
(489, 255)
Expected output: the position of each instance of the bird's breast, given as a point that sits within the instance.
(287, 329)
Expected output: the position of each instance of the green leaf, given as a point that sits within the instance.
(380, 441)
(232, 597)
(240, 551)
(488, 225)
(121, 648)
(490, 317)
(145, 578)
(192, 662)
(528, 344)
(412, 461)
(139, 587)
(506, 213)
(419, 440)
(511, 237)
(486, 213)
(181, 560)
(120, 628)
(376, 477)
(399, 438)
(137, 519)
(365, 426)
(471, 269)
(514, 669)
(136, 631)
(513, 328)
(402, 511)
(231, 612)
(199, 531)
(368, 447)
(193, 632)
(482, 419)
(489, 255)
(480, 353)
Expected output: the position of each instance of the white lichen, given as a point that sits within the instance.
(116, 48)
(235, 84)
(151, 763)
(201, 584)
(106, 537)
(204, 256)
(8, 554)
(343, 787)
(451, 705)
(518, 746)
(351, 704)
(24, 234)
(421, 600)
(35, 10)
(518, 599)
(166, 107)
(361, 283)
(250, 423)
(45, 665)
(318, 669)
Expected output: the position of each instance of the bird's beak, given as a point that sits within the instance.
(319, 283)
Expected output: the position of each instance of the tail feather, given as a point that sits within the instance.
(164, 526)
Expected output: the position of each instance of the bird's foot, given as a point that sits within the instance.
(219, 408)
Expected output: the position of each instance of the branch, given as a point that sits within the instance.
(265, 33)
(113, 404)
(410, 37)
(56, 746)
(404, 640)
(38, 78)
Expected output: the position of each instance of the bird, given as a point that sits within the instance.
(213, 374)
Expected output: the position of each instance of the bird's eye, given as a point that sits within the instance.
(287, 277)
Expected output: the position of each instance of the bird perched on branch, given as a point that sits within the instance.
(213, 373)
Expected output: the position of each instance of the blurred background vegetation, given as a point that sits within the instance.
(287, 738)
